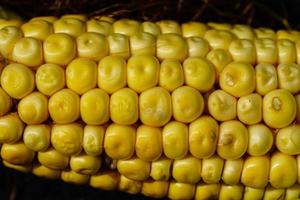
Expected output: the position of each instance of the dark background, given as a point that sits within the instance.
(276, 14)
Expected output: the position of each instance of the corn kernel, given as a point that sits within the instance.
(243, 32)
(148, 143)
(222, 106)
(298, 52)
(253, 193)
(50, 78)
(39, 29)
(169, 26)
(232, 171)
(8, 38)
(155, 189)
(94, 107)
(297, 97)
(59, 49)
(238, 79)
(45, 172)
(265, 33)
(85, 164)
(181, 191)
(219, 26)
(135, 169)
(155, 107)
(17, 80)
(266, 78)
(274, 193)
(151, 27)
(193, 29)
(53, 159)
(67, 139)
(298, 167)
(10, 22)
(203, 136)
(106, 180)
(119, 141)
(21, 168)
(288, 140)
(187, 170)
(74, 177)
(71, 26)
(286, 51)
(283, 170)
(5, 102)
(37, 137)
(232, 192)
(212, 169)
(188, 104)
(219, 58)
(175, 140)
(160, 169)
(288, 34)
(242, 50)
(142, 72)
(129, 186)
(126, 27)
(143, 44)
(292, 192)
(119, 45)
(64, 106)
(266, 51)
(256, 171)
(219, 39)
(49, 19)
(249, 109)
(11, 128)
(198, 47)
(279, 108)
(112, 73)
(106, 18)
(99, 26)
(93, 137)
(199, 73)
(92, 45)
(289, 77)
(260, 140)
(173, 42)
(171, 75)
(75, 16)
(207, 191)
(17, 153)
(33, 109)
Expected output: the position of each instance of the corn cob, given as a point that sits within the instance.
(167, 110)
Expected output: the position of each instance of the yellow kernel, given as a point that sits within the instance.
(219, 58)
(106, 180)
(142, 72)
(93, 137)
(39, 29)
(243, 32)
(266, 51)
(17, 153)
(288, 34)
(53, 159)
(45, 172)
(243, 50)
(197, 46)
(155, 189)
(135, 169)
(283, 170)
(8, 38)
(92, 45)
(50, 78)
(175, 140)
(233, 140)
(64, 106)
(181, 191)
(112, 74)
(11, 128)
(266, 78)
(193, 29)
(279, 108)
(207, 191)
(143, 44)
(119, 45)
(94, 107)
(148, 143)
(37, 137)
(288, 140)
(274, 193)
(119, 141)
(75, 16)
(171, 46)
(5, 102)
(292, 192)
(232, 171)
(212, 169)
(169, 26)
(297, 97)
(219, 39)
(151, 27)
(49, 19)
(256, 171)
(105, 18)
(171, 74)
(251, 193)
(59, 49)
(260, 140)
(155, 107)
(74, 177)
(127, 27)
(99, 26)
(265, 33)
(222, 106)
(220, 26)
(129, 186)
(22, 168)
(289, 77)
(249, 109)
(199, 73)
(160, 169)
(297, 52)
(17, 80)
(67, 139)
(71, 26)
(85, 164)
(187, 170)
(232, 192)
(286, 51)
(238, 79)
(10, 22)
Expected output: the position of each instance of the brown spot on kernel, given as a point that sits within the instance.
(276, 103)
